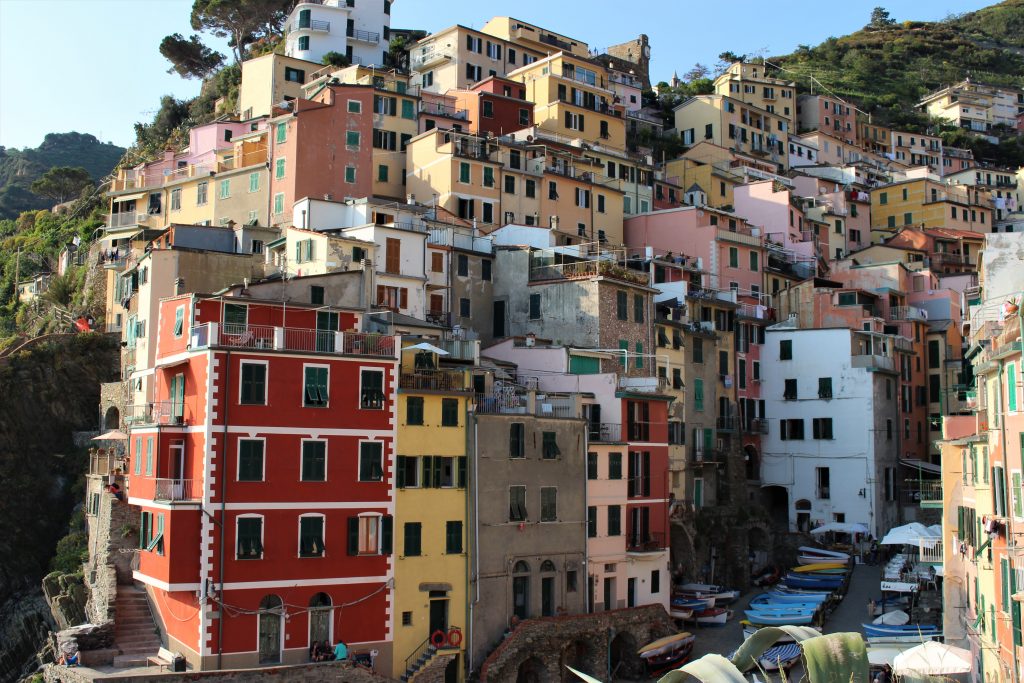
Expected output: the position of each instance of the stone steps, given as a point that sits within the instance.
(135, 633)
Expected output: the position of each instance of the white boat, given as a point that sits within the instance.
(809, 555)
(716, 616)
(680, 613)
(721, 596)
(894, 618)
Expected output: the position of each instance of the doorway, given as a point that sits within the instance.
(270, 631)
(326, 326)
(438, 614)
(609, 593)
(631, 592)
(498, 324)
(320, 619)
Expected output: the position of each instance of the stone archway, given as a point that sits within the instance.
(111, 419)
(531, 670)
(625, 662)
(579, 655)
(752, 459)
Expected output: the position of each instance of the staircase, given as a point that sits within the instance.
(134, 632)
(430, 666)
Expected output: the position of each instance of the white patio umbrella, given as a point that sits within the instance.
(933, 658)
(840, 528)
(112, 435)
(912, 534)
(424, 346)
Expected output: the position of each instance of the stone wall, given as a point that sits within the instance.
(336, 672)
(542, 648)
(113, 537)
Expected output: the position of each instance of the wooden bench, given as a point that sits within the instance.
(164, 659)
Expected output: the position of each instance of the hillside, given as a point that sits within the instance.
(18, 168)
(887, 67)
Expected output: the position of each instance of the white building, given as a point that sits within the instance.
(833, 438)
(358, 29)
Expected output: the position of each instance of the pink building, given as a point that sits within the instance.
(783, 219)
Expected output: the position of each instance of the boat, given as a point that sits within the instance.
(714, 616)
(894, 618)
(693, 603)
(768, 576)
(883, 630)
(820, 566)
(666, 653)
(828, 555)
(765, 602)
(778, 618)
(804, 581)
(780, 656)
(798, 594)
(682, 613)
(722, 596)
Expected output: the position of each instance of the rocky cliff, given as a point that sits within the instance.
(46, 393)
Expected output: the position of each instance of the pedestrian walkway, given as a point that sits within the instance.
(852, 612)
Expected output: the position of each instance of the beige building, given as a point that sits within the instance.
(534, 37)
(975, 106)
(457, 57)
(733, 124)
(270, 79)
(750, 83)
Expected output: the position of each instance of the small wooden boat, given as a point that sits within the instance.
(781, 656)
(692, 603)
(778, 618)
(883, 630)
(666, 653)
(682, 613)
(763, 603)
(722, 596)
(828, 555)
(820, 566)
(798, 593)
(714, 616)
(818, 582)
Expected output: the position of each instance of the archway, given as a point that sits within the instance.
(271, 631)
(803, 515)
(759, 547)
(578, 655)
(521, 590)
(531, 670)
(624, 660)
(753, 462)
(320, 619)
(111, 419)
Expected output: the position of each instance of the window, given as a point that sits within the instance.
(350, 174)
(591, 465)
(314, 460)
(517, 503)
(824, 387)
(453, 538)
(249, 538)
(465, 307)
(315, 393)
(524, 117)
(753, 261)
(697, 350)
(279, 165)
(488, 176)
(615, 465)
(822, 478)
(449, 412)
(517, 440)
(789, 393)
(371, 461)
(370, 535)
(250, 460)
(294, 75)
(792, 430)
(311, 536)
(485, 270)
(282, 133)
(225, 189)
(411, 541)
(550, 448)
(352, 139)
(552, 190)
(614, 520)
(202, 192)
(638, 308)
(371, 391)
(822, 428)
(531, 188)
(176, 199)
(592, 522)
(548, 504)
(535, 307)
(621, 299)
(464, 176)
(407, 472)
(883, 197)
(414, 410)
(279, 203)
(698, 393)
(786, 349)
(734, 257)
(355, 107)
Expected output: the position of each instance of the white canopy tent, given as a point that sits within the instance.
(840, 528)
(915, 534)
(933, 658)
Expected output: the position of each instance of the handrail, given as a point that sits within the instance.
(422, 647)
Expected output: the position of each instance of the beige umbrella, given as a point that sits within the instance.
(933, 658)
(112, 435)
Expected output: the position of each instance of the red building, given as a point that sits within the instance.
(495, 105)
(263, 471)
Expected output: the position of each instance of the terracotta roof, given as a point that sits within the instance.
(951, 232)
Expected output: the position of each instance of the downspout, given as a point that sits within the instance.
(223, 508)
(1016, 664)
(476, 539)
(586, 503)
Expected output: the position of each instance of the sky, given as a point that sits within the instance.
(93, 66)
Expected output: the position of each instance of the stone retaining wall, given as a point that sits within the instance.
(335, 672)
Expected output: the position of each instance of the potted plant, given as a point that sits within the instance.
(1010, 306)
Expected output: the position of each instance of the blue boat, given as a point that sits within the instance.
(798, 581)
(792, 597)
(764, 605)
(776, 618)
(782, 592)
(693, 603)
(881, 630)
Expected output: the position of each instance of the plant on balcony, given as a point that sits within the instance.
(1010, 306)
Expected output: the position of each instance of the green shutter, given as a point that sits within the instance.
(1015, 609)
(400, 472)
(1004, 573)
(639, 355)
(462, 472)
(408, 110)
(353, 535)
(149, 457)
(1011, 386)
(623, 357)
(698, 393)
(387, 524)
(427, 469)
(708, 440)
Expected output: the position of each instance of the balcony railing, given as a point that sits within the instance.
(175, 490)
(434, 380)
(725, 423)
(313, 25)
(158, 413)
(364, 36)
(873, 363)
(605, 432)
(126, 219)
(461, 349)
(437, 109)
(907, 313)
(645, 543)
(930, 492)
(425, 57)
(268, 338)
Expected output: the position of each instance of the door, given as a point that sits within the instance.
(631, 593)
(177, 398)
(438, 617)
(547, 596)
(698, 493)
(609, 593)
(270, 630)
(521, 596)
(320, 625)
(177, 469)
(498, 326)
(326, 326)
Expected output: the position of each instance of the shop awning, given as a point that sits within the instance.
(130, 197)
(926, 467)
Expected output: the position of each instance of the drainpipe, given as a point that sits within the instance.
(223, 509)
(476, 540)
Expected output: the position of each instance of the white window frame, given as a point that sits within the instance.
(266, 381)
(238, 459)
(327, 458)
(298, 535)
(263, 533)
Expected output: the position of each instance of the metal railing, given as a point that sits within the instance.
(312, 25)
(907, 313)
(433, 380)
(645, 543)
(175, 490)
(428, 55)
(930, 492)
(725, 422)
(363, 36)
(605, 431)
(125, 219)
(438, 109)
(461, 349)
(268, 338)
(758, 425)
(872, 362)
(158, 413)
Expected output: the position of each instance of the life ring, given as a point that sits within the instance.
(454, 637)
(437, 638)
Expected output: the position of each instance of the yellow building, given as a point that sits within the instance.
(716, 170)
(572, 97)
(751, 83)
(534, 37)
(731, 123)
(431, 560)
(270, 79)
(975, 106)
(457, 57)
(928, 203)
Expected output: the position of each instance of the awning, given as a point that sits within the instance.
(930, 468)
(130, 197)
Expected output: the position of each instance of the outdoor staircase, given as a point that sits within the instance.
(430, 665)
(134, 632)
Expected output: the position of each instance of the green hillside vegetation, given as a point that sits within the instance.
(19, 168)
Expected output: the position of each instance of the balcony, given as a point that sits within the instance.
(645, 543)
(362, 36)
(874, 363)
(165, 413)
(725, 423)
(267, 338)
(644, 385)
(907, 313)
(434, 380)
(437, 109)
(126, 219)
(467, 350)
(758, 425)
(427, 57)
(930, 494)
(605, 432)
(317, 25)
(176, 491)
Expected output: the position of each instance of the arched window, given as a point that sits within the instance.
(521, 568)
(521, 590)
(547, 566)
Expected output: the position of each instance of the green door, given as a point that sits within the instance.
(698, 493)
(326, 326)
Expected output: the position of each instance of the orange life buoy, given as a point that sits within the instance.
(437, 638)
(454, 637)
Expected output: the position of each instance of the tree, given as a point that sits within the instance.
(880, 18)
(729, 57)
(337, 59)
(189, 58)
(240, 21)
(62, 183)
(697, 72)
